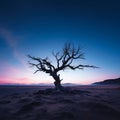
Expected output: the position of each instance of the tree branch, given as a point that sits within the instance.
(80, 66)
(64, 60)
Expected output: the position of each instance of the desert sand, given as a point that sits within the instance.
(83, 103)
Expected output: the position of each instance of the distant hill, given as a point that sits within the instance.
(70, 84)
(108, 82)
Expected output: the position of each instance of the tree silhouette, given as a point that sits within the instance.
(64, 60)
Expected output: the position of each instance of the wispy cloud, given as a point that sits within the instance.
(11, 73)
(12, 41)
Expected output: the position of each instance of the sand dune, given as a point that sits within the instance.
(85, 103)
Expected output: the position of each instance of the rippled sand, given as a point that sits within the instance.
(85, 103)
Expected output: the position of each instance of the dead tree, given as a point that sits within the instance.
(64, 60)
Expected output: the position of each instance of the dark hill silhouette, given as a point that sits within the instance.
(108, 82)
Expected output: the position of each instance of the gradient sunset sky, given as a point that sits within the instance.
(38, 27)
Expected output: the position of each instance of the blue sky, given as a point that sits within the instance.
(38, 27)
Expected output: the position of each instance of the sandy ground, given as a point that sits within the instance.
(86, 103)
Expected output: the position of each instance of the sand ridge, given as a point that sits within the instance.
(93, 103)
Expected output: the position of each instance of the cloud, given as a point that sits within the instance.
(12, 41)
(20, 73)
(11, 73)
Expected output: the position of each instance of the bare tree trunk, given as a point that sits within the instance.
(58, 85)
(57, 82)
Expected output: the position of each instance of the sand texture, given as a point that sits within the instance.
(83, 103)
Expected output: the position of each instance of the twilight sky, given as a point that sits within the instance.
(38, 27)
